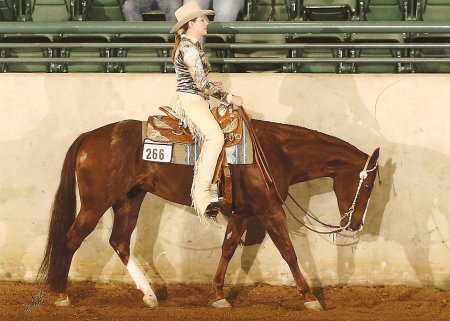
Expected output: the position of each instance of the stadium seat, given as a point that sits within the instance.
(218, 53)
(261, 10)
(432, 11)
(327, 10)
(7, 10)
(378, 67)
(260, 53)
(36, 11)
(385, 10)
(142, 53)
(50, 11)
(81, 10)
(65, 52)
(319, 67)
(154, 15)
(104, 10)
(25, 52)
(96, 10)
(21, 9)
(380, 10)
(431, 67)
(78, 9)
(322, 10)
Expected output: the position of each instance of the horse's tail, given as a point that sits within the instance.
(56, 263)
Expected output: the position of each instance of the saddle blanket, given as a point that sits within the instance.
(187, 154)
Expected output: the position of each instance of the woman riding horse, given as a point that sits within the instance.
(194, 89)
(107, 167)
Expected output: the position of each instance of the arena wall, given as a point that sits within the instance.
(406, 239)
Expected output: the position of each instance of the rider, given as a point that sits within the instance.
(194, 89)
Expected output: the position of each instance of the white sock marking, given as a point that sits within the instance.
(139, 278)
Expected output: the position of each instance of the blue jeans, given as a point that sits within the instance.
(226, 10)
(133, 9)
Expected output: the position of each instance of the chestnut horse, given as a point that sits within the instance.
(108, 167)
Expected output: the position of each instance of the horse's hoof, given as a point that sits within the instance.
(222, 304)
(150, 301)
(313, 305)
(160, 292)
(63, 302)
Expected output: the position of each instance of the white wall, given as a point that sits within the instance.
(406, 239)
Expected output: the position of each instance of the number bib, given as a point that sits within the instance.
(157, 152)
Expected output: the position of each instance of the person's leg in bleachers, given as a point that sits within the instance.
(133, 9)
(226, 10)
(169, 7)
(204, 4)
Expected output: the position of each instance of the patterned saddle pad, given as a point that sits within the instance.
(168, 131)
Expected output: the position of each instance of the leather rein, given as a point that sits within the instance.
(336, 228)
(261, 162)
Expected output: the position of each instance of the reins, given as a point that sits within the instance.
(261, 161)
(260, 157)
(308, 214)
(337, 229)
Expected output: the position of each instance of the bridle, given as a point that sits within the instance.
(349, 214)
(362, 176)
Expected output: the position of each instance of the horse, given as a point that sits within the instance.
(106, 164)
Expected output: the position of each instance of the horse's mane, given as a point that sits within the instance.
(300, 132)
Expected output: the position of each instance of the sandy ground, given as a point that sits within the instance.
(98, 301)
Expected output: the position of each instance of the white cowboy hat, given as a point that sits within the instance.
(188, 12)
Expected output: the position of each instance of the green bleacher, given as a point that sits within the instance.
(381, 10)
(432, 11)
(297, 36)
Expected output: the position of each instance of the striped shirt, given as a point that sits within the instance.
(192, 68)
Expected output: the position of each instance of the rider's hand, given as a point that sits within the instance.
(237, 101)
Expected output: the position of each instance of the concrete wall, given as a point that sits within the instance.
(406, 239)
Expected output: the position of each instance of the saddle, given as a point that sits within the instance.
(170, 129)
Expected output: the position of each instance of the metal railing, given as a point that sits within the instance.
(344, 53)
(239, 27)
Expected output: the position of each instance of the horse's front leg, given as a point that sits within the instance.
(276, 225)
(236, 226)
(126, 211)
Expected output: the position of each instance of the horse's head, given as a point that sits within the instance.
(353, 187)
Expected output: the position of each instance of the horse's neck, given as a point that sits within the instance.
(304, 154)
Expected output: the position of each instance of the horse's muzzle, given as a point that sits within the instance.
(355, 228)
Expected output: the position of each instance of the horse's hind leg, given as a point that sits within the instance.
(126, 212)
(235, 228)
(84, 224)
(277, 228)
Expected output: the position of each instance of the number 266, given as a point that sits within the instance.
(155, 153)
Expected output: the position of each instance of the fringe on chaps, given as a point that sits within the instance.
(194, 112)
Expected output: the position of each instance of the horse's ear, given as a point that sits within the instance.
(375, 155)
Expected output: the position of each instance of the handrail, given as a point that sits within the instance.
(163, 45)
(227, 60)
(56, 52)
(241, 27)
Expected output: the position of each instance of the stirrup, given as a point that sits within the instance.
(214, 208)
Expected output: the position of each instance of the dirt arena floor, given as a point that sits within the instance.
(97, 301)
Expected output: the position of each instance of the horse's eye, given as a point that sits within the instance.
(367, 187)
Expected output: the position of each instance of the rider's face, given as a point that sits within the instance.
(199, 27)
